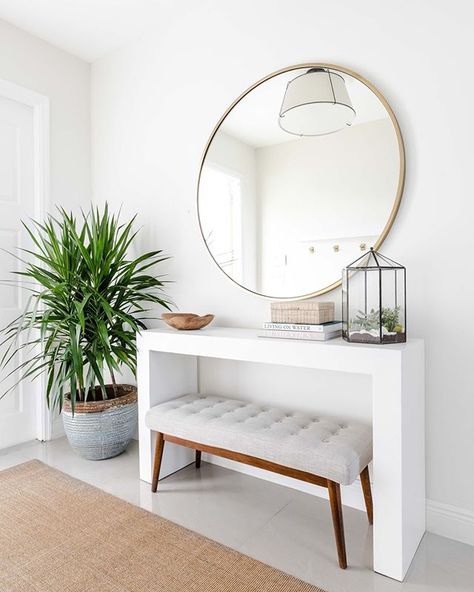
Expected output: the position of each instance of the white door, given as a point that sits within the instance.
(17, 202)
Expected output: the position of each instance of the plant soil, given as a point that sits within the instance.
(367, 338)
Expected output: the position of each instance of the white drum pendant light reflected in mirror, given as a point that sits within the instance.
(316, 103)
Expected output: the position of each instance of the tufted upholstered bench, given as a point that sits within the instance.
(313, 449)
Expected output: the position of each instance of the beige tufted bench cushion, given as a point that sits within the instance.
(336, 450)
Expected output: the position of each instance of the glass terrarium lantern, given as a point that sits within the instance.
(373, 300)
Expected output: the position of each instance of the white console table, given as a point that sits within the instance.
(167, 368)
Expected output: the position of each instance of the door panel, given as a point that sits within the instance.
(17, 202)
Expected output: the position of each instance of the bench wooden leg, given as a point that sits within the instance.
(159, 446)
(338, 523)
(333, 487)
(365, 480)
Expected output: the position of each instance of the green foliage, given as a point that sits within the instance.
(87, 301)
(371, 321)
(366, 321)
(390, 318)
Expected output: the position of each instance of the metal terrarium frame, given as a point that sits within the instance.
(374, 262)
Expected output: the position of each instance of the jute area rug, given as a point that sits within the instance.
(58, 534)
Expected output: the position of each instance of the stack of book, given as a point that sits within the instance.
(308, 331)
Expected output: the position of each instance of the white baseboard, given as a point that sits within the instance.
(351, 494)
(450, 521)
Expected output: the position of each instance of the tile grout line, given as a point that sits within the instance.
(265, 524)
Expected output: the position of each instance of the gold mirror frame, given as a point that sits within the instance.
(401, 177)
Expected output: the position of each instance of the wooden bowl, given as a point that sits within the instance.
(186, 321)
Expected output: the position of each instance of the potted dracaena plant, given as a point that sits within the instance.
(87, 300)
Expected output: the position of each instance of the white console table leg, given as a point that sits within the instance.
(161, 377)
(399, 462)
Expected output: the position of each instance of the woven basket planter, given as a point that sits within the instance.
(102, 429)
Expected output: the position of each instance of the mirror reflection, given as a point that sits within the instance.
(302, 176)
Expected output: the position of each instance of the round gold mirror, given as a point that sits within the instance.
(302, 174)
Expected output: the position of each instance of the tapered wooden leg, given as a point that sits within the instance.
(159, 446)
(365, 480)
(198, 459)
(336, 509)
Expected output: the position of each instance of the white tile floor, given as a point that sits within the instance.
(280, 526)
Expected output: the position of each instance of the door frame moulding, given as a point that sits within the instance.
(41, 147)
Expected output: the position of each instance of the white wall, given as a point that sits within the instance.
(344, 184)
(155, 103)
(321, 191)
(30, 62)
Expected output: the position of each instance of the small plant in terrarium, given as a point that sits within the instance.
(366, 321)
(368, 324)
(391, 320)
